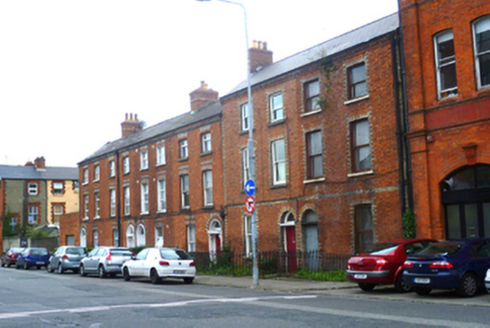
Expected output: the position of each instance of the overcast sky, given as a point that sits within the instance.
(70, 70)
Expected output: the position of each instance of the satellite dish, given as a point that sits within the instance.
(143, 124)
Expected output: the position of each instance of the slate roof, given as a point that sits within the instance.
(333, 46)
(207, 111)
(17, 172)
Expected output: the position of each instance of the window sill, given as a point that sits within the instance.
(161, 164)
(276, 122)
(144, 169)
(84, 183)
(96, 180)
(85, 219)
(208, 207)
(162, 212)
(279, 185)
(183, 159)
(358, 174)
(306, 114)
(97, 218)
(355, 100)
(206, 153)
(245, 132)
(145, 213)
(322, 179)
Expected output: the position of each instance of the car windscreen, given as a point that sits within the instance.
(172, 254)
(75, 251)
(381, 248)
(39, 252)
(121, 252)
(441, 248)
(17, 250)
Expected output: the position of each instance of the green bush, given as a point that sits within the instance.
(409, 225)
(336, 275)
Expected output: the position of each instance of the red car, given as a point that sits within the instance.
(10, 257)
(382, 263)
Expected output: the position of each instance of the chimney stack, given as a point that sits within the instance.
(130, 125)
(201, 96)
(40, 163)
(259, 56)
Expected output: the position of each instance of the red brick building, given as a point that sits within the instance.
(328, 142)
(447, 63)
(160, 185)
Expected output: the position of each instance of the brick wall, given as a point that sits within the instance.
(69, 226)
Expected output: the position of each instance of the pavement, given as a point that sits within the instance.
(275, 284)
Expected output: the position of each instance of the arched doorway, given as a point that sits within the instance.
(130, 236)
(288, 233)
(83, 237)
(140, 236)
(214, 233)
(465, 196)
(310, 237)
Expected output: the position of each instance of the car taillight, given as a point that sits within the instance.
(164, 263)
(381, 262)
(192, 263)
(108, 258)
(64, 257)
(441, 265)
(408, 264)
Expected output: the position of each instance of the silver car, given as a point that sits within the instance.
(66, 258)
(105, 261)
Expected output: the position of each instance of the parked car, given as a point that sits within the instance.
(459, 265)
(487, 281)
(382, 263)
(66, 258)
(161, 263)
(32, 257)
(10, 256)
(105, 261)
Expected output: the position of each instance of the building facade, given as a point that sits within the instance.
(327, 142)
(447, 63)
(160, 185)
(35, 194)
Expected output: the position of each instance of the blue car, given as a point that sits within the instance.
(33, 257)
(458, 264)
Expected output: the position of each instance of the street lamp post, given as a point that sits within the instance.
(250, 146)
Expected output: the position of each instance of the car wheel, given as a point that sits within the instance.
(48, 268)
(400, 285)
(26, 267)
(3, 264)
(17, 266)
(188, 280)
(155, 279)
(468, 286)
(366, 287)
(102, 273)
(422, 291)
(126, 275)
(60, 269)
(82, 271)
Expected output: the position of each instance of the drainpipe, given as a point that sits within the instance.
(118, 200)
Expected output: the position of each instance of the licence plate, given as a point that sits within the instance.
(360, 276)
(422, 280)
(39, 262)
(179, 271)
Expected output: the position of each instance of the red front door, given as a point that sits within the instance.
(291, 249)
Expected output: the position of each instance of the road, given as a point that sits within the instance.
(37, 299)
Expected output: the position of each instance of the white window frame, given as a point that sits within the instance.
(130, 236)
(244, 117)
(85, 176)
(206, 142)
(59, 190)
(83, 237)
(96, 173)
(33, 211)
(127, 200)
(184, 191)
(183, 149)
(126, 166)
(96, 237)
(161, 160)
(207, 184)
(144, 159)
(33, 188)
(85, 207)
(112, 200)
(444, 62)
(112, 169)
(159, 238)
(191, 237)
(58, 210)
(278, 163)
(115, 237)
(274, 109)
(97, 204)
(162, 195)
(145, 198)
(485, 20)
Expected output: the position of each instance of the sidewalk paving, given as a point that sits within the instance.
(276, 284)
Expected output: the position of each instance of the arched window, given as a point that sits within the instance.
(130, 236)
(83, 237)
(140, 236)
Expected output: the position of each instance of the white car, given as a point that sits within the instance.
(160, 263)
(487, 281)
